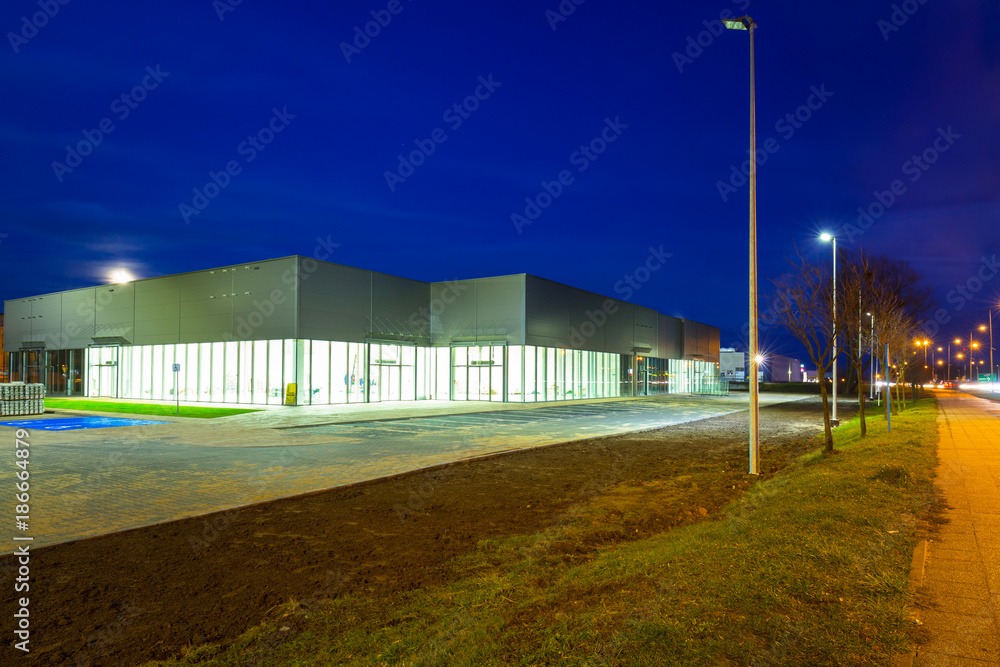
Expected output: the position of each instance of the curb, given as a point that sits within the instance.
(917, 568)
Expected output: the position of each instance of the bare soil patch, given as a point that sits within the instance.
(145, 594)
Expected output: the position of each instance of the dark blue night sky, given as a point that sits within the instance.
(226, 132)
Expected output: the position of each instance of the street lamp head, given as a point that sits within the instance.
(957, 341)
(982, 327)
(826, 236)
(742, 23)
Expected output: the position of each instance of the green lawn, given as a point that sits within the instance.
(143, 408)
(809, 567)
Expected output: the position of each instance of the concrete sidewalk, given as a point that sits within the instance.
(962, 564)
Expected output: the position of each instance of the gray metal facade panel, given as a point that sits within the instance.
(499, 305)
(589, 317)
(644, 329)
(477, 309)
(700, 341)
(157, 310)
(661, 336)
(620, 336)
(114, 309)
(714, 340)
(263, 307)
(203, 284)
(672, 337)
(556, 315)
(452, 310)
(398, 304)
(547, 319)
(77, 325)
(296, 297)
(17, 326)
(334, 303)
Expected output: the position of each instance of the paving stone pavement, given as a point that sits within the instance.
(962, 565)
(91, 482)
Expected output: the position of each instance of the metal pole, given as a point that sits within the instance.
(871, 354)
(888, 396)
(993, 377)
(835, 330)
(754, 397)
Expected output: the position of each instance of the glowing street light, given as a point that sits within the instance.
(746, 23)
(830, 237)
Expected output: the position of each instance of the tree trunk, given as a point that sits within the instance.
(901, 388)
(827, 432)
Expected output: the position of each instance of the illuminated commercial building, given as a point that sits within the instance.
(314, 332)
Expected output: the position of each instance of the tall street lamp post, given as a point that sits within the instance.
(830, 237)
(982, 327)
(871, 356)
(993, 377)
(746, 23)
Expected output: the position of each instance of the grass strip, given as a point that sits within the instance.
(807, 567)
(143, 408)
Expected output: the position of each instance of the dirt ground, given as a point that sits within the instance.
(144, 594)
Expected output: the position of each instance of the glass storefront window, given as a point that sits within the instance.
(319, 377)
(204, 372)
(273, 374)
(218, 378)
(530, 375)
(340, 376)
(356, 366)
(258, 376)
(245, 372)
(443, 370)
(515, 381)
(232, 359)
(156, 390)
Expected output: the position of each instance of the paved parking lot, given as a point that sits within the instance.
(90, 482)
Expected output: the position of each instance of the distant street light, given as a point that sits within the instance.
(830, 237)
(747, 23)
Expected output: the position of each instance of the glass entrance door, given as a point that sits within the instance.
(478, 373)
(103, 367)
(388, 365)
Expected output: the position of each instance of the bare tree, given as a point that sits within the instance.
(803, 303)
(895, 328)
(858, 294)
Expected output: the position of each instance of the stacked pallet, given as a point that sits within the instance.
(18, 398)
